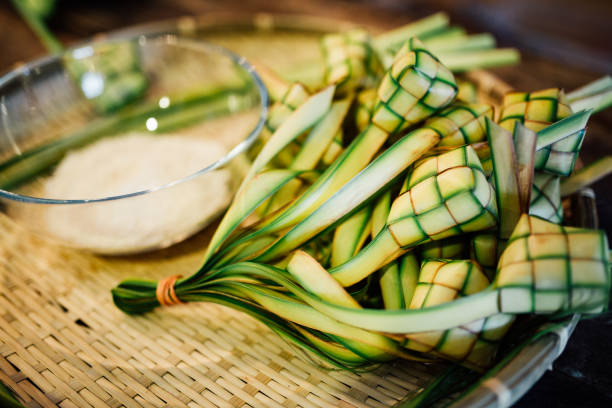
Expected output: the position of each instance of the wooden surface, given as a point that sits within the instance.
(563, 43)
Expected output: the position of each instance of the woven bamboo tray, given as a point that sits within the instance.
(63, 342)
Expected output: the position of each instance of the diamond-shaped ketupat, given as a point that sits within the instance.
(535, 110)
(416, 86)
(447, 195)
(473, 344)
(461, 124)
(560, 157)
(562, 268)
(538, 110)
(350, 61)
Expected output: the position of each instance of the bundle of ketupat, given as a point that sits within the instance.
(366, 259)
(355, 59)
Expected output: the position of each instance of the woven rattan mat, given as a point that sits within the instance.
(63, 342)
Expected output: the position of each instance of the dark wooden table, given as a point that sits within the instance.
(563, 43)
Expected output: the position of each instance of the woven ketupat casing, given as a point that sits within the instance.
(537, 110)
(473, 344)
(560, 157)
(563, 268)
(295, 96)
(349, 59)
(546, 198)
(461, 124)
(448, 194)
(416, 86)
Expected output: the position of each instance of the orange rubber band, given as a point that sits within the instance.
(165, 291)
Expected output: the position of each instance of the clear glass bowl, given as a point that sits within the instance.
(155, 88)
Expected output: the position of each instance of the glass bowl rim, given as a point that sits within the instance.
(172, 38)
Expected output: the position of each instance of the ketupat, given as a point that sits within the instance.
(447, 195)
(562, 268)
(461, 124)
(537, 110)
(565, 128)
(318, 309)
(354, 59)
(415, 87)
(349, 60)
(473, 344)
